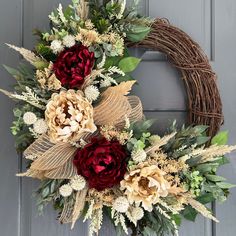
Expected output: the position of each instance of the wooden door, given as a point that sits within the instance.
(212, 23)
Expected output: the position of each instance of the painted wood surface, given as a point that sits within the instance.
(212, 23)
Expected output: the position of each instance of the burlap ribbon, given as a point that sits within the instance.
(54, 160)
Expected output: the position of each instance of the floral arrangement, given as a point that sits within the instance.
(87, 140)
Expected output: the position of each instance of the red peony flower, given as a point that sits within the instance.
(102, 163)
(73, 65)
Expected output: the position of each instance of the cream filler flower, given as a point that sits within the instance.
(88, 37)
(69, 115)
(145, 185)
(56, 46)
(29, 118)
(40, 126)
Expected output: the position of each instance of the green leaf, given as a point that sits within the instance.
(68, 13)
(112, 61)
(215, 178)
(189, 213)
(138, 33)
(202, 139)
(124, 78)
(223, 161)
(177, 219)
(45, 192)
(221, 138)
(41, 64)
(206, 198)
(225, 185)
(119, 230)
(201, 128)
(129, 64)
(148, 231)
(208, 167)
(15, 73)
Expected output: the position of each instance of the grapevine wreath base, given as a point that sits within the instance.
(204, 102)
(87, 139)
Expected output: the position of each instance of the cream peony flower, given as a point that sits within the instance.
(145, 185)
(69, 114)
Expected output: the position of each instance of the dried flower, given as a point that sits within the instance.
(69, 114)
(65, 190)
(88, 37)
(31, 157)
(146, 184)
(105, 83)
(47, 79)
(110, 132)
(56, 46)
(121, 204)
(113, 44)
(154, 139)
(137, 213)
(89, 24)
(78, 182)
(40, 126)
(53, 83)
(69, 41)
(29, 118)
(28, 55)
(139, 156)
(91, 93)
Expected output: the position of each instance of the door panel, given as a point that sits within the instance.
(224, 64)
(9, 163)
(211, 23)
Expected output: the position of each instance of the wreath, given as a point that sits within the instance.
(87, 139)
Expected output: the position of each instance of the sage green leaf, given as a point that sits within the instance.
(129, 64)
(201, 128)
(15, 73)
(221, 138)
(148, 231)
(215, 178)
(45, 192)
(202, 139)
(222, 161)
(208, 167)
(225, 185)
(138, 33)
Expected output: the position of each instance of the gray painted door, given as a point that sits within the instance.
(210, 22)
